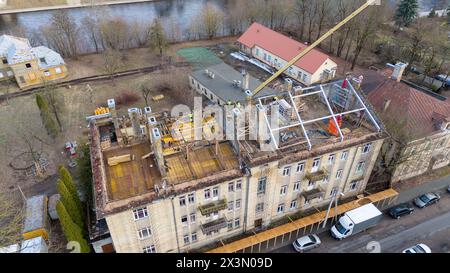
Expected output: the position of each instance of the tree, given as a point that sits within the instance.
(111, 61)
(145, 91)
(54, 101)
(66, 178)
(158, 40)
(432, 13)
(91, 28)
(84, 171)
(406, 12)
(365, 30)
(72, 232)
(64, 33)
(211, 18)
(47, 120)
(69, 204)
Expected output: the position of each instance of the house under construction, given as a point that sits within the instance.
(160, 190)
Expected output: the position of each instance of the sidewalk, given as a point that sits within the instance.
(411, 193)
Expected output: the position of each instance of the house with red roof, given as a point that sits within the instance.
(418, 121)
(276, 50)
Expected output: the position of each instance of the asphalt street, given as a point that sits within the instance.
(430, 225)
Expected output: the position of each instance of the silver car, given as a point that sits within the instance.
(419, 248)
(306, 243)
(426, 199)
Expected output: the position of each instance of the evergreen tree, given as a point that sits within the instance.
(70, 229)
(158, 40)
(84, 172)
(432, 13)
(46, 117)
(69, 204)
(66, 178)
(406, 12)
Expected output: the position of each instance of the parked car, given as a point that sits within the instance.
(448, 189)
(426, 199)
(419, 248)
(306, 243)
(400, 210)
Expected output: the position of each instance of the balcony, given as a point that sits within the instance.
(215, 225)
(213, 207)
(313, 194)
(316, 176)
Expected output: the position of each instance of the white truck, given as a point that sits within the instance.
(355, 221)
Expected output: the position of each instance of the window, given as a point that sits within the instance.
(207, 194)
(237, 223)
(299, 76)
(230, 225)
(315, 165)
(334, 191)
(330, 159)
(293, 204)
(344, 155)
(238, 185)
(184, 220)
(325, 179)
(306, 202)
(360, 166)
(215, 191)
(186, 239)
(46, 73)
(191, 198)
(5, 61)
(265, 56)
(280, 208)
(366, 148)
(238, 204)
(22, 79)
(192, 218)
(230, 205)
(287, 171)
(231, 187)
(194, 237)
(297, 186)
(42, 60)
(269, 58)
(58, 70)
(182, 201)
(259, 207)
(338, 174)
(144, 233)
(28, 65)
(283, 190)
(140, 213)
(262, 185)
(300, 167)
(305, 77)
(353, 185)
(311, 183)
(257, 51)
(149, 249)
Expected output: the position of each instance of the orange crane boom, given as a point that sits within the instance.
(312, 46)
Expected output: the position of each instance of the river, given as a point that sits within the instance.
(175, 14)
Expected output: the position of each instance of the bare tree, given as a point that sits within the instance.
(112, 62)
(145, 91)
(322, 12)
(212, 19)
(54, 101)
(63, 33)
(114, 33)
(91, 28)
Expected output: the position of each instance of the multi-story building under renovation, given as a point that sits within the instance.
(160, 190)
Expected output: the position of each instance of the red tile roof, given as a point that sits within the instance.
(282, 46)
(418, 109)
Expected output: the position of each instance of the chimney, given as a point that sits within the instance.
(288, 84)
(245, 80)
(155, 136)
(399, 68)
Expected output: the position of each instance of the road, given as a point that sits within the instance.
(430, 225)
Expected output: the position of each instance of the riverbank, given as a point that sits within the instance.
(20, 6)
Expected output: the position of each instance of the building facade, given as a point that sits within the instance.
(27, 65)
(277, 50)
